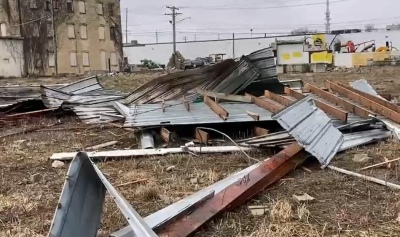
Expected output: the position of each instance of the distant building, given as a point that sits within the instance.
(88, 34)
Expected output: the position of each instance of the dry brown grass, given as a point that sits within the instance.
(281, 211)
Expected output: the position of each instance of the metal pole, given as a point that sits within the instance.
(157, 36)
(126, 27)
(54, 38)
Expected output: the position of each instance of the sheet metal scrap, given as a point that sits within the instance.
(87, 92)
(312, 128)
(236, 194)
(85, 186)
(175, 113)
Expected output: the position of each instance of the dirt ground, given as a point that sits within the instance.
(343, 206)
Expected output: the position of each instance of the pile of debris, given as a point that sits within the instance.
(187, 112)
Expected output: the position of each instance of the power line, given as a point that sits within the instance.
(211, 8)
(267, 27)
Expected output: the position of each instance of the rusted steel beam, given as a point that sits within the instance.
(278, 98)
(216, 108)
(238, 193)
(255, 116)
(363, 113)
(378, 100)
(202, 136)
(337, 113)
(378, 108)
(260, 131)
(267, 104)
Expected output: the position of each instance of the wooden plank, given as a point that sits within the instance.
(255, 116)
(270, 105)
(278, 98)
(186, 103)
(167, 135)
(337, 113)
(202, 136)
(163, 105)
(107, 144)
(378, 100)
(294, 93)
(378, 108)
(363, 113)
(260, 131)
(216, 108)
(227, 97)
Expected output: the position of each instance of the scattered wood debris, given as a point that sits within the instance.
(303, 198)
(103, 145)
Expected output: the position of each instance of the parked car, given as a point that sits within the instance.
(198, 62)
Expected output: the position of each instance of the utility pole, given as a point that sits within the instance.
(328, 18)
(173, 22)
(54, 38)
(157, 36)
(126, 26)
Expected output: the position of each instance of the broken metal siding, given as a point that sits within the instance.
(85, 92)
(312, 128)
(176, 114)
(82, 86)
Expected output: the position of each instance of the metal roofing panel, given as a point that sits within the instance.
(261, 54)
(242, 76)
(312, 128)
(79, 86)
(176, 114)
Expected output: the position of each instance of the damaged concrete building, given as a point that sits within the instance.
(87, 35)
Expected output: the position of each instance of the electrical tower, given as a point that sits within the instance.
(328, 18)
(173, 22)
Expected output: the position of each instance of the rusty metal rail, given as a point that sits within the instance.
(239, 192)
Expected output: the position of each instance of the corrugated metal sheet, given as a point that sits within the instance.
(175, 85)
(176, 114)
(82, 86)
(94, 115)
(239, 79)
(17, 95)
(311, 128)
(85, 92)
(253, 73)
(264, 61)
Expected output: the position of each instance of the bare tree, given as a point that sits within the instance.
(303, 31)
(369, 28)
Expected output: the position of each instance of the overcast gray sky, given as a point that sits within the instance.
(210, 19)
